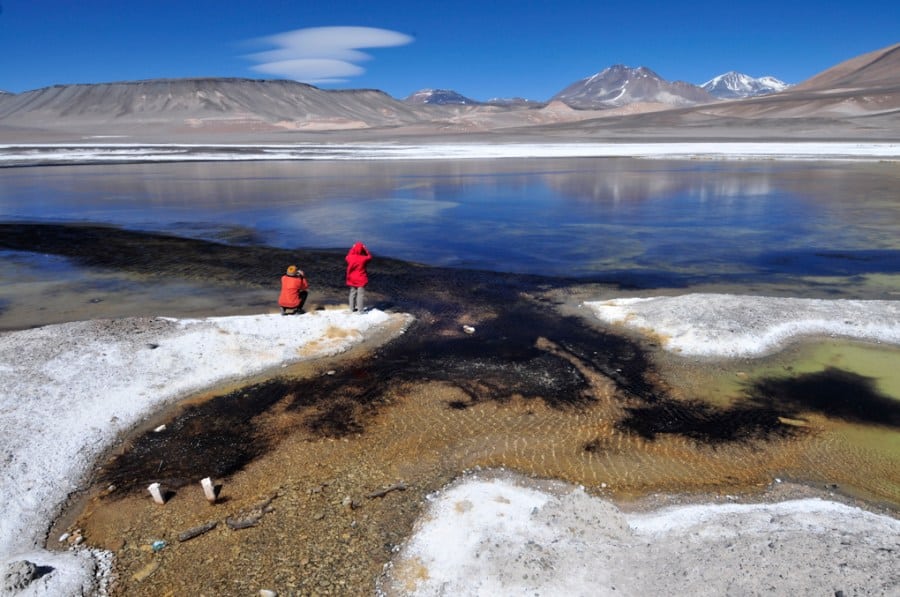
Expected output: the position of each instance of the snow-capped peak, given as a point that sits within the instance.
(439, 96)
(733, 84)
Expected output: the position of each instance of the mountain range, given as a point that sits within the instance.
(857, 98)
(621, 85)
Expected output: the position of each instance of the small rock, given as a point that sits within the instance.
(146, 571)
(17, 576)
(63, 537)
(468, 329)
(267, 593)
(160, 428)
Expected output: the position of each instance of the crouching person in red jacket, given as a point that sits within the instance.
(357, 278)
(294, 290)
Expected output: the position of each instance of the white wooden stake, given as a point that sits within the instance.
(209, 490)
(156, 492)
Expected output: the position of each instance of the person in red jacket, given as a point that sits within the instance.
(357, 259)
(294, 290)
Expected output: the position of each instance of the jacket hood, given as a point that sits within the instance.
(357, 249)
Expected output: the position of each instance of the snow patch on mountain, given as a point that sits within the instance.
(442, 97)
(735, 85)
(621, 85)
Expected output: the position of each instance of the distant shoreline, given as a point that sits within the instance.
(128, 151)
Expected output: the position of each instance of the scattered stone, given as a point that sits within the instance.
(252, 516)
(146, 571)
(158, 545)
(159, 429)
(348, 502)
(267, 593)
(63, 537)
(18, 575)
(468, 329)
(236, 524)
(197, 531)
(383, 492)
(793, 422)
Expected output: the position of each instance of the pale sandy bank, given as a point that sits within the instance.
(506, 535)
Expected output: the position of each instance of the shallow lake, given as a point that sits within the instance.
(816, 228)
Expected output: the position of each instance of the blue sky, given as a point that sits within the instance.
(480, 48)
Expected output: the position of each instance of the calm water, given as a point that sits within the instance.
(825, 227)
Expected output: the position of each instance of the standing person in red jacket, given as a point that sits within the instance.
(294, 290)
(357, 278)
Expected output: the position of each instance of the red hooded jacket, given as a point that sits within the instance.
(357, 259)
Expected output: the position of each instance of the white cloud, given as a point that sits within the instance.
(323, 54)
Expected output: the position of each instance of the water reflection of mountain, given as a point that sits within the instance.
(639, 185)
(562, 216)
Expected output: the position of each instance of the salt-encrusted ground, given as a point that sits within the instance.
(69, 389)
(725, 325)
(500, 535)
(36, 153)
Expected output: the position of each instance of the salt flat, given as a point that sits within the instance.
(87, 152)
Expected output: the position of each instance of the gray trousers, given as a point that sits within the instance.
(357, 298)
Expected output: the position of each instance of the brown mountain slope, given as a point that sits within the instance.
(206, 103)
(877, 69)
(859, 88)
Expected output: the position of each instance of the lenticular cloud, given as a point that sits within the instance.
(323, 54)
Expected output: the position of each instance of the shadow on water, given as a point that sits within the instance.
(703, 422)
(504, 359)
(834, 393)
